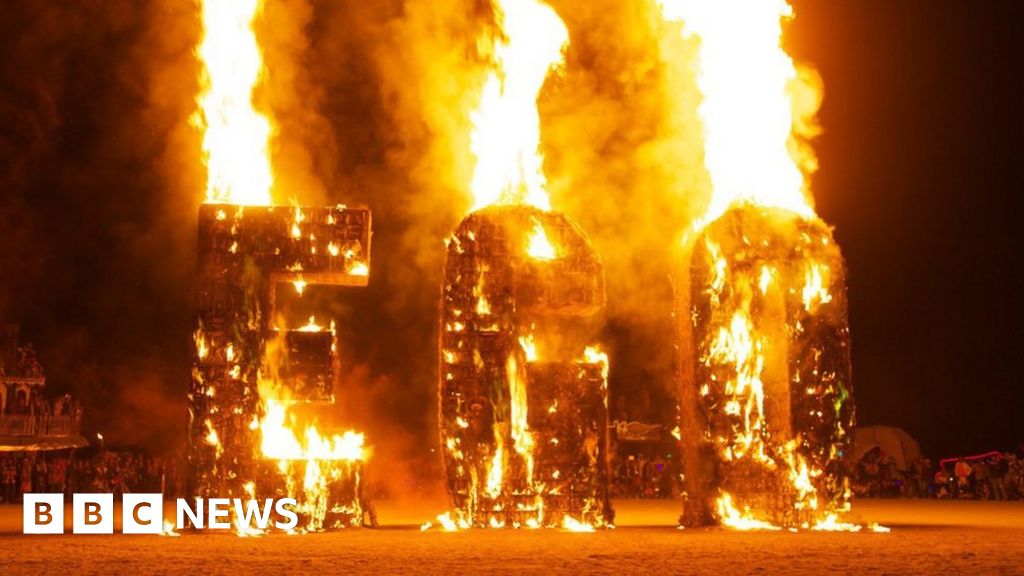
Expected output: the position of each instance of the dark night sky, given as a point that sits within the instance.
(922, 168)
(921, 171)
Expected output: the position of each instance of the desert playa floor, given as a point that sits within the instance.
(927, 537)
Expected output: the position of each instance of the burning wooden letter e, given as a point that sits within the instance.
(249, 369)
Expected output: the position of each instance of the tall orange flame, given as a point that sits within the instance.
(506, 125)
(748, 110)
(235, 135)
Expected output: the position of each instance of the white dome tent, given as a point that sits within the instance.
(891, 440)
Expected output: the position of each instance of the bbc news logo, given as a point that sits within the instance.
(144, 514)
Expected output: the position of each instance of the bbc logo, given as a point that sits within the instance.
(93, 514)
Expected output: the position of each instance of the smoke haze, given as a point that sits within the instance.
(101, 178)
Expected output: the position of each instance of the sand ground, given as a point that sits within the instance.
(927, 537)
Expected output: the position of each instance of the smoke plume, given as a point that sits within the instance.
(370, 103)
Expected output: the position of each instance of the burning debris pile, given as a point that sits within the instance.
(769, 393)
(249, 370)
(523, 400)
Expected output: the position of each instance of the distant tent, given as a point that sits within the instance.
(892, 441)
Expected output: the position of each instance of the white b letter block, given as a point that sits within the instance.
(93, 514)
(43, 514)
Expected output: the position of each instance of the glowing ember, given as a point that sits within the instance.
(448, 523)
(483, 307)
(211, 437)
(815, 289)
(200, 342)
(730, 516)
(529, 347)
(312, 326)
(573, 525)
(540, 248)
(168, 529)
(831, 523)
(359, 269)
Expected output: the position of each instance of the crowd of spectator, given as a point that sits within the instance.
(19, 395)
(640, 476)
(26, 364)
(26, 403)
(994, 476)
(106, 472)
